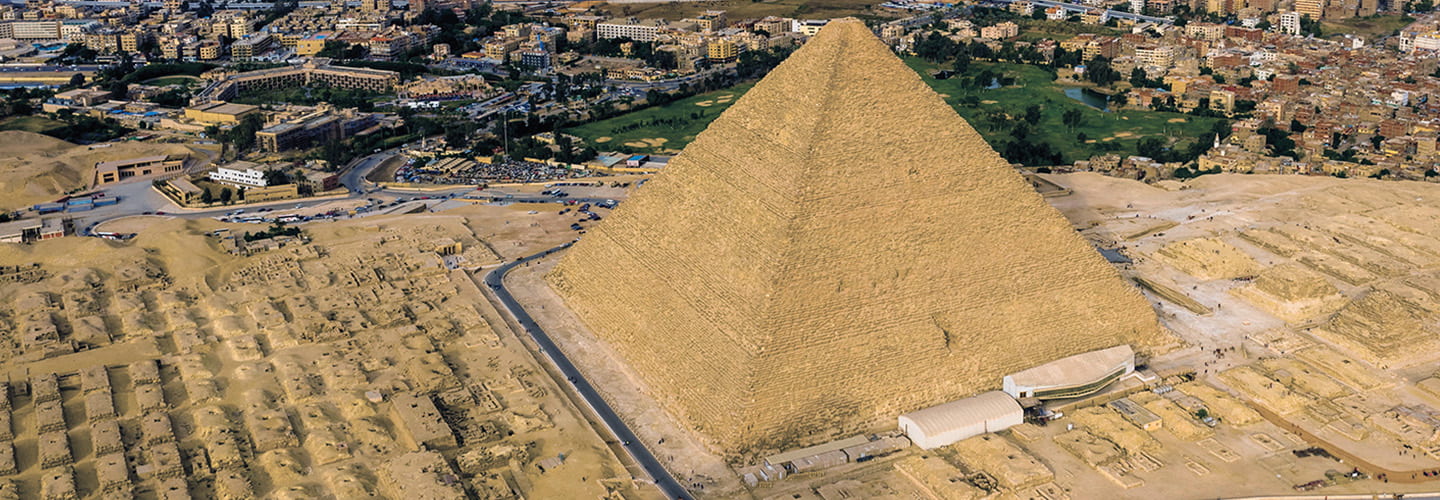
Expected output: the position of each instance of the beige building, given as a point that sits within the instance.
(220, 113)
(111, 172)
(1222, 101)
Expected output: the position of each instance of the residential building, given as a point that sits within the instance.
(640, 31)
(1290, 23)
(1222, 101)
(247, 48)
(313, 44)
(1000, 31)
(721, 51)
(1161, 56)
(1313, 8)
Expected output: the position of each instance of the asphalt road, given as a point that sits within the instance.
(495, 280)
(1077, 8)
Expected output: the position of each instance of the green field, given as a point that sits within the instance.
(991, 111)
(37, 124)
(1367, 27)
(174, 80)
(1032, 30)
(677, 123)
(753, 9)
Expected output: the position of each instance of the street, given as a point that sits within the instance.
(495, 281)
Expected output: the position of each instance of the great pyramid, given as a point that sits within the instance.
(837, 248)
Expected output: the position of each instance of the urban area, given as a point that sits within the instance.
(768, 249)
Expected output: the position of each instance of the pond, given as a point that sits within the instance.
(1089, 98)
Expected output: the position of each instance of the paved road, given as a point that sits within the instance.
(1077, 8)
(662, 478)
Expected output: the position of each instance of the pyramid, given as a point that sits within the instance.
(839, 247)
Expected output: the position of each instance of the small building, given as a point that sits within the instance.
(813, 457)
(183, 191)
(1136, 414)
(20, 231)
(1072, 377)
(637, 160)
(819, 461)
(948, 423)
(876, 448)
(110, 172)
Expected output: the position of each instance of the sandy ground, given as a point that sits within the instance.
(36, 168)
(171, 295)
(682, 452)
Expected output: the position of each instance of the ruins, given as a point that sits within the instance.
(809, 264)
(169, 368)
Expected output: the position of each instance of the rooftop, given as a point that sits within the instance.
(1088, 366)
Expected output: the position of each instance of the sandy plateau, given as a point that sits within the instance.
(37, 168)
(362, 363)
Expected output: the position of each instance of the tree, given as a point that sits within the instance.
(1072, 118)
(1138, 78)
(242, 135)
(119, 89)
(206, 198)
(1376, 140)
(276, 177)
(1100, 72)
(1151, 147)
(78, 80)
(1033, 114)
(226, 195)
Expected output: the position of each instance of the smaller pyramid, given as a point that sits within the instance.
(838, 248)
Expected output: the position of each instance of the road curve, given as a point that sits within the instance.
(495, 280)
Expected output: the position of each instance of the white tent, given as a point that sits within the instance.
(941, 425)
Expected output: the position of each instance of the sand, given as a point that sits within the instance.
(278, 348)
(36, 168)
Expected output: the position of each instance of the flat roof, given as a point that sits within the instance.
(229, 108)
(792, 455)
(184, 184)
(111, 165)
(16, 227)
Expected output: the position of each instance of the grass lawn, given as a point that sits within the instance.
(748, 9)
(990, 111)
(677, 124)
(37, 124)
(1368, 27)
(173, 80)
(1034, 30)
